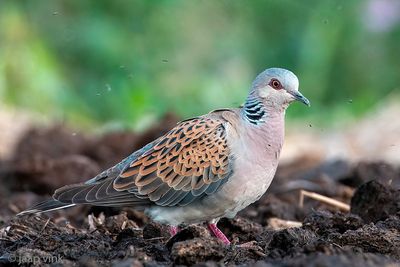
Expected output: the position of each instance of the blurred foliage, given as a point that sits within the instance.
(132, 61)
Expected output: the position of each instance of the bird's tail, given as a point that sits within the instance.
(96, 194)
(47, 205)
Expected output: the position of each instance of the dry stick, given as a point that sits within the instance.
(41, 231)
(45, 225)
(324, 199)
(277, 223)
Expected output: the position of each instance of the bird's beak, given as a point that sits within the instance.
(299, 97)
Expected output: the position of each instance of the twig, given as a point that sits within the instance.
(259, 253)
(123, 225)
(45, 225)
(41, 231)
(279, 224)
(323, 199)
(156, 238)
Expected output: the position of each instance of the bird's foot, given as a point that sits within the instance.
(217, 233)
(173, 230)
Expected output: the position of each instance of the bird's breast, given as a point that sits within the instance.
(256, 153)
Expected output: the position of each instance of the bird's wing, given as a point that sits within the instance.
(190, 161)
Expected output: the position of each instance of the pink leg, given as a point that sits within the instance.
(218, 234)
(173, 230)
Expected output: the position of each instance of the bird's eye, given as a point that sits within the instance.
(274, 83)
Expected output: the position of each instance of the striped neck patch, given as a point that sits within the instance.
(254, 111)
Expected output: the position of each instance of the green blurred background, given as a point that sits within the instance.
(96, 62)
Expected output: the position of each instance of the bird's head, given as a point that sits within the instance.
(278, 88)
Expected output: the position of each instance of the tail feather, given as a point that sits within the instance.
(101, 194)
(47, 205)
(96, 195)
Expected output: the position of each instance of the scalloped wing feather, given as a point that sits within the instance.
(192, 160)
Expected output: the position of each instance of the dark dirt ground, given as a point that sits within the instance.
(45, 159)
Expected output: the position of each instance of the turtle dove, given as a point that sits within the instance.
(205, 168)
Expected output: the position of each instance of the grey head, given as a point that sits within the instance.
(277, 88)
